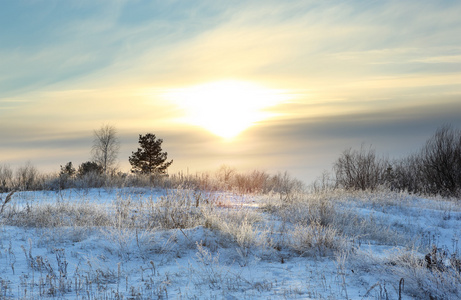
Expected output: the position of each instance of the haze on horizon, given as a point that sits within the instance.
(269, 85)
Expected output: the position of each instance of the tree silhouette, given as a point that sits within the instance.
(105, 147)
(68, 170)
(149, 159)
(88, 168)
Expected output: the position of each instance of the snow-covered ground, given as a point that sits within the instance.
(137, 243)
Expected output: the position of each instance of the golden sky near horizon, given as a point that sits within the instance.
(272, 85)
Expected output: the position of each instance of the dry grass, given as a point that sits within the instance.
(440, 279)
(178, 209)
(327, 223)
(64, 214)
(315, 239)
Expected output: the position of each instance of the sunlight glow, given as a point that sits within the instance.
(226, 108)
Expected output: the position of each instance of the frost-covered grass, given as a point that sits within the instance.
(138, 243)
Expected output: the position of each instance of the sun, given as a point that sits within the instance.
(225, 108)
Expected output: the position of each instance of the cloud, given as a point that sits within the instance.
(308, 145)
(319, 44)
(171, 44)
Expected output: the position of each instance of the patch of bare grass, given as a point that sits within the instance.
(57, 215)
(177, 209)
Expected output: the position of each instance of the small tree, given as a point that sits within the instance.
(68, 170)
(89, 167)
(66, 174)
(149, 159)
(105, 147)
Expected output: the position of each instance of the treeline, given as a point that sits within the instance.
(149, 166)
(29, 178)
(435, 169)
(90, 175)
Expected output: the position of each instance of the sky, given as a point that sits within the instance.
(267, 85)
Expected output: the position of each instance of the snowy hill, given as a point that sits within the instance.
(137, 243)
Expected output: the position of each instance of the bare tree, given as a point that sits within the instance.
(360, 169)
(106, 146)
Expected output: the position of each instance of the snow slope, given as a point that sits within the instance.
(140, 244)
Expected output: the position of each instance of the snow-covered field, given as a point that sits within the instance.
(137, 243)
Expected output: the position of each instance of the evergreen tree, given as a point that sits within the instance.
(68, 170)
(149, 159)
(89, 167)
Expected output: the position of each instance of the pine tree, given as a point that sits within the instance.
(149, 159)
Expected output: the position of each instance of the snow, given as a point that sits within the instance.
(202, 262)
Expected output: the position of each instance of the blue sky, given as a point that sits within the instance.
(386, 73)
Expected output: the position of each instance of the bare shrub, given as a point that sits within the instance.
(252, 182)
(323, 183)
(441, 162)
(284, 185)
(407, 175)
(6, 178)
(226, 175)
(360, 169)
(27, 177)
(435, 169)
